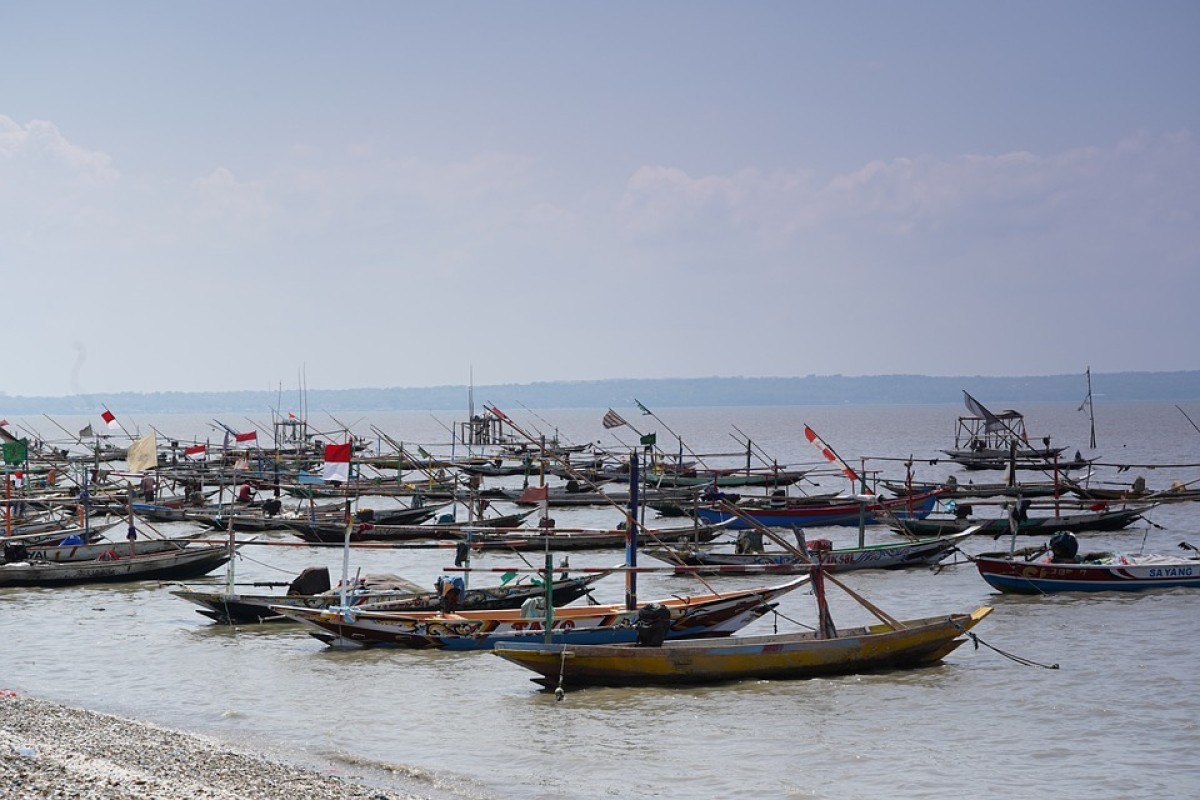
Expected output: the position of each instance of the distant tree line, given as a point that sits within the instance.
(1183, 386)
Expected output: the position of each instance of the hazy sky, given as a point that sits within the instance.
(218, 195)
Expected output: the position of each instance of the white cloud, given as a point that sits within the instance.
(1142, 181)
(41, 146)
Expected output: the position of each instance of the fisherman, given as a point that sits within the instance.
(246, 492)
(450, 592)
(749, 541)
(148, 486)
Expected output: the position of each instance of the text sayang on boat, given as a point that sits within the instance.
(1062, 569)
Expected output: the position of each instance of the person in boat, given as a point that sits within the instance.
(148, 486)
(450, 593)
(714, 495)
(246, 492)
(749, 541)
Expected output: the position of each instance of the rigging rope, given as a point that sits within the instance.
(1012, 656)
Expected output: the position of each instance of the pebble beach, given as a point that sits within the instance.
(54, 751)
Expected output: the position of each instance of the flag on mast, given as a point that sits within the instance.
(642, 407)
(252, 436)
(110, 419)
(612, 420)
(337, 462)
(831, 456)
(142, 454)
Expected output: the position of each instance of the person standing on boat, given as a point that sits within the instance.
(149, 484)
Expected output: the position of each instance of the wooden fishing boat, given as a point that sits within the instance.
(914, 643)
(378, 593)
(241, 521)
(953, 490)
(332, 532)
(537, 539)
(995, 441)
(807, 515)
(1095, 572)
(1075, 523)
(726, 479)
(692, 616)
(93, 550)
(189, 562)
(890, 555)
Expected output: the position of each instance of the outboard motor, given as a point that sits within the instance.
(653, 622)
(1064, 546)
(15, 552)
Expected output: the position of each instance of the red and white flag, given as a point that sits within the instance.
(195, 450)
(110, 419)
(831, 456)
(612, 420)
(337, 462)
(252, 436)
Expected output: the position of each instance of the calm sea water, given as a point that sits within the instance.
(1118, 719)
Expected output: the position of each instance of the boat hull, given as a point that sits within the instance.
(778, 656)
(881, 556)
(249, 609)
(1032, 526)
(1124, 574)
(816, 515)
(710, 615)
(191, 562)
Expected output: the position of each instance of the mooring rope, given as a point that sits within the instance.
(1012, 656)
(559, 693)
(789, 619)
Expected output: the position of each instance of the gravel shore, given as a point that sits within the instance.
(52, 751)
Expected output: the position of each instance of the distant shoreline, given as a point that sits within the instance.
(713, 392)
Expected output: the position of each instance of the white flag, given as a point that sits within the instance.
(143, 454)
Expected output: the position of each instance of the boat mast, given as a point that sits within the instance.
(1091, 408)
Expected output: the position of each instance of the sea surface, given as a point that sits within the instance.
(1118, 718)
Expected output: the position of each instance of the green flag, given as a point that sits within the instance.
(16, 452)
(649, 439)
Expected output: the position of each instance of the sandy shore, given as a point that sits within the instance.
(52, 751)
